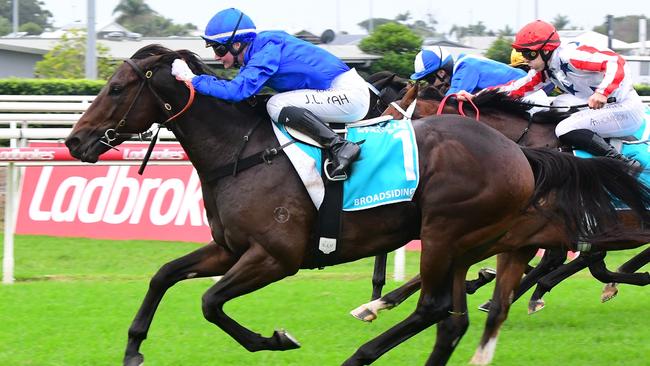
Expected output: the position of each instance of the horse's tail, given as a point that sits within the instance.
(582, 193)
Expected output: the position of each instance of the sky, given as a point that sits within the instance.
(343, 15)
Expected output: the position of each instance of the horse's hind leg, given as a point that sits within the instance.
(255, 269)
(510, 268)
(452, 328)
(631, 266)
(210, 260)
(602, 274)
(369, 311)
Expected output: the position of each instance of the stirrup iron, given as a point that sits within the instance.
(336, 178)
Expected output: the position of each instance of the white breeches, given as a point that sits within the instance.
(613, 120)
(347, 100)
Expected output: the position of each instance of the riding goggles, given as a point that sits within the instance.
(529, 54)
(219, 49)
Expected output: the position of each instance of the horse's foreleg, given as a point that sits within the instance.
(552, 259)
(255, 269)
(452, 328)
(379, 275)
(631, 266)
(210, 260)
(369, 311)
(546, 283)
(510, 268)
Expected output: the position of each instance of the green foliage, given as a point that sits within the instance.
(14, 86)
(397, 44)
(31, 28)
(138, 17)
(626, 28)
(500, 50)
(29, 11)
(5, 26)
(423, 28)
(478, 29)
(560, 22)
(67, 59)
(642, 89)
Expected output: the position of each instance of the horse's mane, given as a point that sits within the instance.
(168, 56)
(488, 100)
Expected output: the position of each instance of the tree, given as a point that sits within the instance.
(67, 59)
(423, 28)
(397, 44)
(626, 28)
(5, 26)
(31, 28)
(29, 11)
(560, 22)
(138, 17)
(506, 32)
(500, 50)
(477, 29)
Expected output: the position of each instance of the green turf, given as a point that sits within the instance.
(75, 298)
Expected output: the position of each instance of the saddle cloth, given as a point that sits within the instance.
(386, 171)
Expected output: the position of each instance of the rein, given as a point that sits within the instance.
(112, 134)
(441, 106)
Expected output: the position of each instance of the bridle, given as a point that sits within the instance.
(112, 134)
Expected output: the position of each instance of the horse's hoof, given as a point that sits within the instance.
(535, 306)
(488, 274)
(609, 292)
(485, 307)
(284, 340)
(364, 314)
(134, 360)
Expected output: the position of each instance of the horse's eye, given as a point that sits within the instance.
(115, 90)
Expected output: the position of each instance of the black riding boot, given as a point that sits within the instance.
(592, 143)
(343, 152)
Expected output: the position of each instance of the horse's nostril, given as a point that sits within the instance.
(72, 143)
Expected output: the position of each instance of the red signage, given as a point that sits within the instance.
(114, 202)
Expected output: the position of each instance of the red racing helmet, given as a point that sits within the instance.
(538, 35)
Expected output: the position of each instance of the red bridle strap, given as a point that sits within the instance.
(189, 85)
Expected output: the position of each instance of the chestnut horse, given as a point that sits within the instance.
(474, 186)
(518, 127)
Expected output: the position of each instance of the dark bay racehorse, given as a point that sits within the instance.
(518, 127)
(475, 185)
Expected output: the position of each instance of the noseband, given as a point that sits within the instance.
(112, 134)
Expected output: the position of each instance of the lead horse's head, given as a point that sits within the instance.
(141, 92)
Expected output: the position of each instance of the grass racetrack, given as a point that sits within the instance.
(74, 299)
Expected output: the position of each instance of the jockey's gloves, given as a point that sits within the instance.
(181, 71)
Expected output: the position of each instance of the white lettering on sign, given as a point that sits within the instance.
(117, 198)
(18, 155)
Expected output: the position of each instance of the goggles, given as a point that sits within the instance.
(529, 54)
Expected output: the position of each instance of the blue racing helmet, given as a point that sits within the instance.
(229, 26)
(431, 59)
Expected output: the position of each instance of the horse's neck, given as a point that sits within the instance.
(213, 135)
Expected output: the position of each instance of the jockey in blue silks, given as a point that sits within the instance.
(313, 84)
(467, 74)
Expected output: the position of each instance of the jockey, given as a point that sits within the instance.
(586, 75)
(313, 85)
(465, 75)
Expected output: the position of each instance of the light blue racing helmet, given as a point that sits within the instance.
(229, 26)
(431, 59)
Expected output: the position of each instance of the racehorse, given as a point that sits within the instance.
(474, 186)
(518, 127)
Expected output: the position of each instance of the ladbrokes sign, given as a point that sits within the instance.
(113, 202)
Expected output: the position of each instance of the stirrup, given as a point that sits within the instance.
(336, 178)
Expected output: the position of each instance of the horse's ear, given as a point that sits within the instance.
(410, 95)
